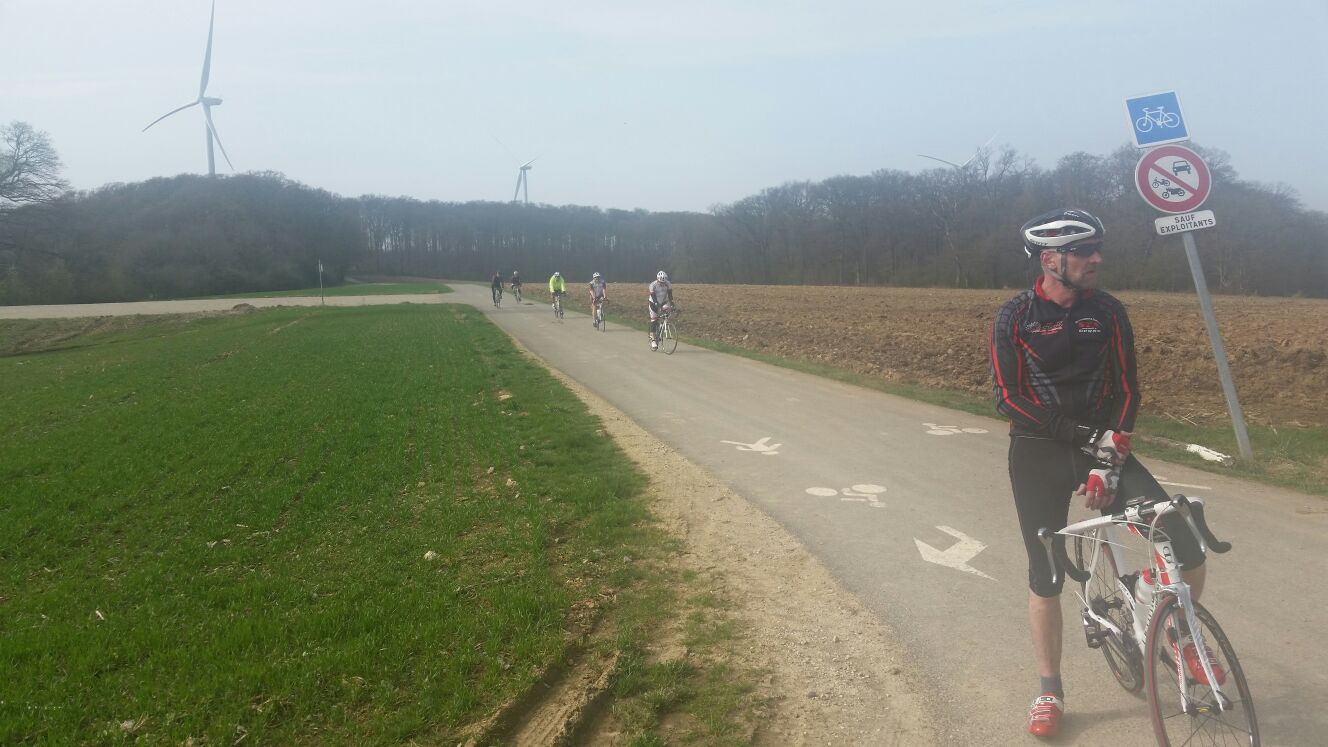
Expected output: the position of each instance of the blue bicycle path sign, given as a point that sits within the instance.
(1156, 119)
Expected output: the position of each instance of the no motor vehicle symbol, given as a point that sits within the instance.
(1173, 179)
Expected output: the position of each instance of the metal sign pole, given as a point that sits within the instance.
(1219, 352)
(322, 300)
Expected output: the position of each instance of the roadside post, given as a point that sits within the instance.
(1175, 180)
(322, 300)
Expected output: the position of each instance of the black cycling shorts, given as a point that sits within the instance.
(1044, 473)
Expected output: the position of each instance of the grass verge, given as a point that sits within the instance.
(1295, 458)
(364, 525)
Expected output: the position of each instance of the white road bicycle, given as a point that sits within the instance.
(1153, 634)
(516, 292)
(667, 333)
(599, 314)
(558, 306)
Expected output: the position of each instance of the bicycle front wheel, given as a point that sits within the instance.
(1186, 709)
(668, 337)
(1104, 596)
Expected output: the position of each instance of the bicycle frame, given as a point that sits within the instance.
(1164, 571)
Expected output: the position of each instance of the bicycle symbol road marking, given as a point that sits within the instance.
(865, 493)
(949, 430)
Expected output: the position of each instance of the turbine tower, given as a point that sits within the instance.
(207, 102)
(522, 185)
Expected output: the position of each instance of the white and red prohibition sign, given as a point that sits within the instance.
(1173, 179)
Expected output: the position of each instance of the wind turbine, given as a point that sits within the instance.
(207, 103)
(522, 185)
(961, 167)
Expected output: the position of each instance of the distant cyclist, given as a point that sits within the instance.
(557, 285)
(515, 282)
(661, 299)
(599, 293)
(496, 287)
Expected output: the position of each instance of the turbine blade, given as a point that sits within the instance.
(942, 160)
(207, 114)
(526, 165)
(509, 150)
(207, 56)
(169, 113)
(520, 177)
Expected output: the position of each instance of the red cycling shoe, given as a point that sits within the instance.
(1195, 664)
(1044, 718)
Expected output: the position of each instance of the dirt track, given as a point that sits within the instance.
(939, 338)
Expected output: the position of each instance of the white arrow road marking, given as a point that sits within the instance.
(762, 447)
(958, 554)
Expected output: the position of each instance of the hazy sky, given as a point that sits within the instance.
(671, 105)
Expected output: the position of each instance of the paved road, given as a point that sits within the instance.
(861, 478)
(797, 446)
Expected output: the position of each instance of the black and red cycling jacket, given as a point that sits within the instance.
(1054, 369)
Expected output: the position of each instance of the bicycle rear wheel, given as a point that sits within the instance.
(1198, 720)
(599, 317)
(516, 293)
(1104, 596)
(668, 337)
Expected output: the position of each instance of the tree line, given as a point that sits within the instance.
(948, 227)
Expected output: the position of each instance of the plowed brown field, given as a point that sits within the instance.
(938, 337)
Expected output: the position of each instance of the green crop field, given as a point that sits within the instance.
(360, 525)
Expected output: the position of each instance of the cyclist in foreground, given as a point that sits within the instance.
(496, 287)
(1063, 371)
(557, 286)
(599, 293)
(660, 298)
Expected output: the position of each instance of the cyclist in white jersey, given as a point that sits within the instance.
(661, 297)
(599, 293)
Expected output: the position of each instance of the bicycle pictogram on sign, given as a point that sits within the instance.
(1156, 119)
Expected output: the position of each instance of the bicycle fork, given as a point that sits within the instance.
(1182, 592)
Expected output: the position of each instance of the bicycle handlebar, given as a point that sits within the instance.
(1191, 510)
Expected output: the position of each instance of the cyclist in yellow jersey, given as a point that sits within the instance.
(557, 285)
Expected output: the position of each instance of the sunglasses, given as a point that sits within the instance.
(1083, 250)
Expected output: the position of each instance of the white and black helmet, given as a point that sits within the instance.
(595, 276)
(661, 275)
(1060, 230)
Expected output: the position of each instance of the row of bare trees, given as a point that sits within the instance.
(955, 227)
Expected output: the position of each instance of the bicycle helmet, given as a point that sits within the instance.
(595, 276)
(661, 275)
(557, 274)
(1060, 230)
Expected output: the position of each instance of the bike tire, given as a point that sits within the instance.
(1143, 124)
(517, 295)
(1203, 723)
(1105, 597)
(599, 316)
(668, 337)
(1170, 119)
